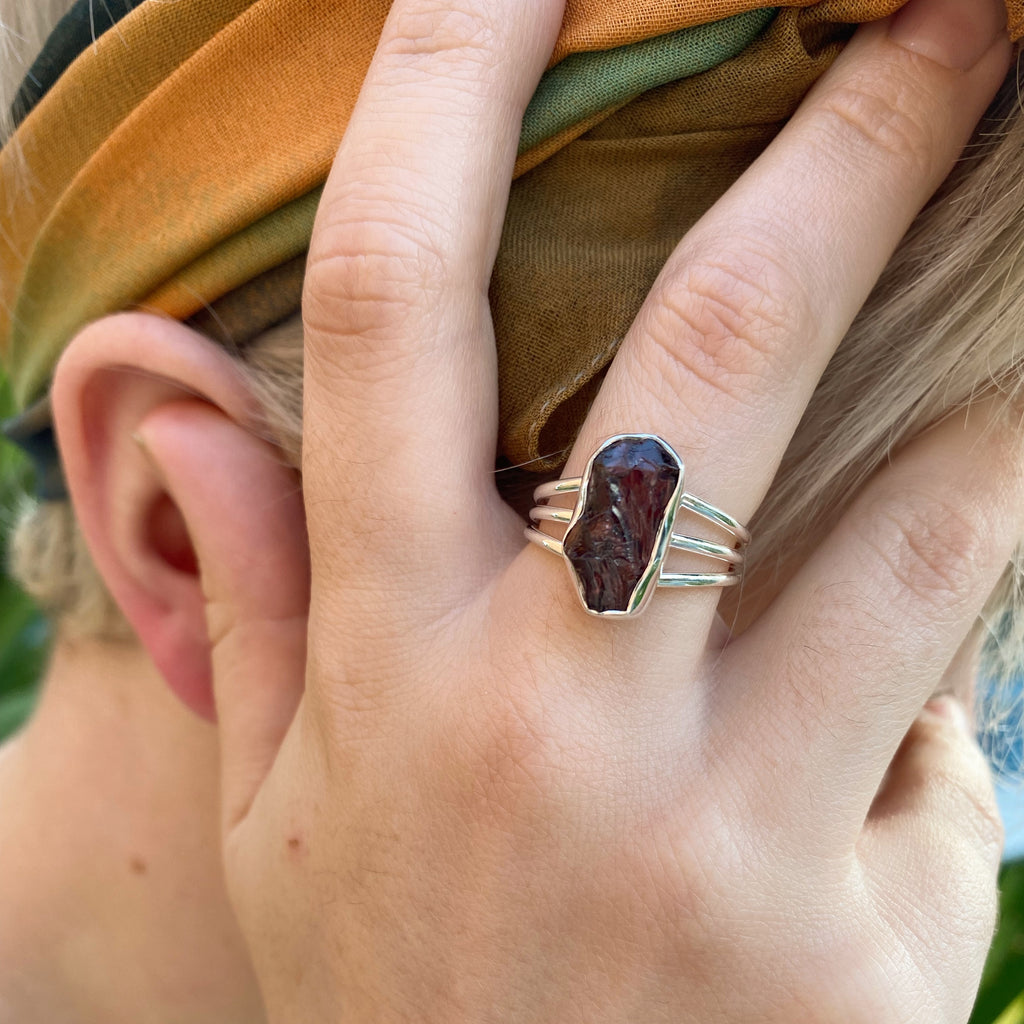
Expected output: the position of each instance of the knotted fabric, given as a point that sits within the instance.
(175, 165)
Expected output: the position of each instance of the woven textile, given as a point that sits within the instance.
(163, 174)
(564, 297)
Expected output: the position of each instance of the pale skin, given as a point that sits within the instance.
(114, 906)
(474, 802)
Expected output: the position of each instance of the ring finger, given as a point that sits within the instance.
(742, 321)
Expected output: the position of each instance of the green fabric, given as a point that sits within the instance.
(248, 311)
(579, 87)
(584, 84)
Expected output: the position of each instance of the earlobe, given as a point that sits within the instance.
(154, 424)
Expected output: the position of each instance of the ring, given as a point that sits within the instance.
(620, 531)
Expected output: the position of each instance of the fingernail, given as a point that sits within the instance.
(953, 33)
(952, 710)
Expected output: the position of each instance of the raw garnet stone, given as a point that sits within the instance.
(626, 497)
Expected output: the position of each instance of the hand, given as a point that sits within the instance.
(486, 805)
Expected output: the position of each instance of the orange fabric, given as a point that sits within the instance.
(171, 177)
(200, 185)
(588, 231)
(162, 169)
(601, 24)
(1015, 10)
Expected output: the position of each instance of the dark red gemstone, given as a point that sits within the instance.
(628, 493)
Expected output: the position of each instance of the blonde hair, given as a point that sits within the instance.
(942, 326)
(48, 554)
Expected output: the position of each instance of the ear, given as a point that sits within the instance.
(168, 550)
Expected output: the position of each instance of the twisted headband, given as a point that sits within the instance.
(176, 165)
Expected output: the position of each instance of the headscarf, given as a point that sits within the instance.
(175, 165)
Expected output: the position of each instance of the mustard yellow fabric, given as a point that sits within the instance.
(161, 143)
(600, 24)
(198, 175)
(176, 166)
(564, 297)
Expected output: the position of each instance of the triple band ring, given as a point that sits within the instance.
(621, 529)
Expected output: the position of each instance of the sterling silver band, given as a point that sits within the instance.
(667, 579)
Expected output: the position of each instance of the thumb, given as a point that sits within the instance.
(244, 513)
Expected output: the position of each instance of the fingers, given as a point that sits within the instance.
(736, 332)
(845, 657)
(932, 846)
(749, 309)
(401, 394)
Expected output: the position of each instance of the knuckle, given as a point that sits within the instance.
(371, 288)
(926, 545)
(441, 38)
(873, 117)
(725, 325)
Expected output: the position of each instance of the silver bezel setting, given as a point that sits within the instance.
(732, 554)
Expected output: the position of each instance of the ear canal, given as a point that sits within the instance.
(168, 536)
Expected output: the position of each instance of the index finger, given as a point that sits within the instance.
(401, 388)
